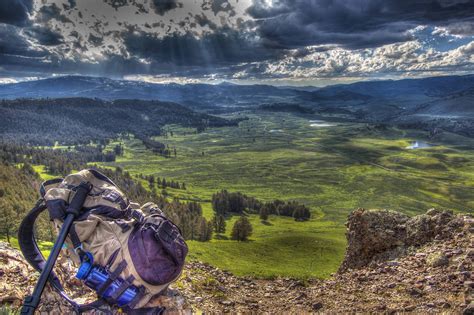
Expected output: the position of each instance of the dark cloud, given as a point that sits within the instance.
(163, 6)
(224, 47)
(95, 40)
(462, 28)
(46, 13)
(15, 11)
(222, 6)
(72, 4)
(44, 36)
(16, 54)
(13, 43)
(352, 24)
(202, 20)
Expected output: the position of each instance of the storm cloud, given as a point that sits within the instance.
(352, 24)
(15, 12)
(235, 39)
(220, 48)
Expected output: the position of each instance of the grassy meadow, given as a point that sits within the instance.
(331, 168)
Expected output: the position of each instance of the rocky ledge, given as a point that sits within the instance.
(394, 264)
(381, 235)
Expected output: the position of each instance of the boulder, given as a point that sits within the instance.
(437, 260)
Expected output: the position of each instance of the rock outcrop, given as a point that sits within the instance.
(380, 235)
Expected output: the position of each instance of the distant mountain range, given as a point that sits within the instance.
(435, 101)
(202, 96)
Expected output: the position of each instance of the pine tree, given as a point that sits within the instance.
(8, 219)
(151, 181)
(263, 213)
(204, 230)
(242, 229)
(218, 223)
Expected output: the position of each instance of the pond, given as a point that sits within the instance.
(320, 124)
(417, 144)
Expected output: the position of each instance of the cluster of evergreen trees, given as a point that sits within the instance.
(157, 147)
(18, 193)
(241, 230)
(154, 182)
(288, 209)
(57, 161)
(225, 202)
(188, 216)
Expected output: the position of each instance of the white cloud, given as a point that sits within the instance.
(394, 59)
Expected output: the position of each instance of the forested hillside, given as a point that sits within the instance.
(18, 193)
(72, 121)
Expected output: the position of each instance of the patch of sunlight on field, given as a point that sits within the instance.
(280, 247)
(40, 169)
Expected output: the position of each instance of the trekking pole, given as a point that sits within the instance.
(74, 209)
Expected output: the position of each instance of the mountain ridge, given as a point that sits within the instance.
(75, 85)
(444, 103)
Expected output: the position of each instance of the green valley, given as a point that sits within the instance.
(332, 167)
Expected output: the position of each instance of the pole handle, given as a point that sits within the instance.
(77, 202)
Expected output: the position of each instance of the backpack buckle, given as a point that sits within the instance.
(137, 216)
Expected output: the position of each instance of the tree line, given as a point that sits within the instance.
(225, 202)
(58, 161)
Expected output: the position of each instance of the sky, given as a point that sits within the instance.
(281, 42)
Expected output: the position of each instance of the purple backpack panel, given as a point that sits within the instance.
(158, 250)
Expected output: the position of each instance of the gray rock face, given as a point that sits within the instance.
(379, 235)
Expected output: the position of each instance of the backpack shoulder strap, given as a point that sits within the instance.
(30, 250)
(32, 254)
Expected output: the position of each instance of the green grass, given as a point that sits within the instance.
(40, 169)
(44, 246)
(332, 170)
(279, 247)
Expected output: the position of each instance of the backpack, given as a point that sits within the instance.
(127, 253)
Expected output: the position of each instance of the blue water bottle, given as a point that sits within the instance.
(94, 276)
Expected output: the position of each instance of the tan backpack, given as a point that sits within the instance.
(125, 252)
